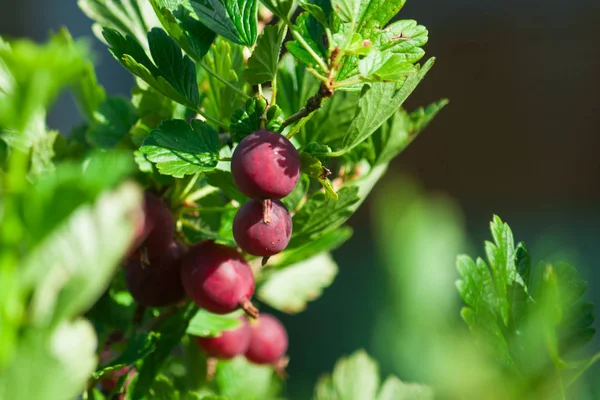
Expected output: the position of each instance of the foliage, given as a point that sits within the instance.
(206, 76)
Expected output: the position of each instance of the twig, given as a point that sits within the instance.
(311, 106)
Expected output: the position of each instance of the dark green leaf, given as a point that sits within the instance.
(114, 119)
(179, 20)
(171, 74)
(327, 241)
(293, 200)
(171, 332)
(88, 92)
(316, 10)
(179, 149)
(224, 181)
(208, 324)
(262, 65)
(138, 347)
(245, 122)
(235, 20)
(294, 85)
(377, 103)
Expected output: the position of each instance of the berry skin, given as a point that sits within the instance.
(218, 278)
(155, 230)
(269, 341)
(157, 283)
(265, 165)
(258, 238)
(230, 344)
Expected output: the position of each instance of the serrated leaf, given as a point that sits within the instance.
(290, 289)
(245, 122)
(319, 213)
(129, 17)
(394, 389)
(262, 65)
(177, 17)
(171, 73)
(226, 60)
(312, 32)
(207, 324)
(235, 20)
(377, 13)
(179, 149)
(377, 103)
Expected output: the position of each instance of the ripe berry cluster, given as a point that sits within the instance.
(160, 271)
(265, 167)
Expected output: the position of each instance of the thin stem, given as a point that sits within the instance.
(188, 188)
(338, 153)
(221, 79)
(581, 371)
(312, 105)
(317, 75)
(200, 193)
(314, 55)
(274, 89)
(299, 126)
(224, 158)
(347, 82)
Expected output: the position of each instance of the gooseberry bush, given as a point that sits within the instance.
(139, 251)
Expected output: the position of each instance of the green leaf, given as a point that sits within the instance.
(171, 73)
(162, 389)
(294, 85)
(354, 378)
(112, 122)
(179, 149)
(235, 20)
(171, 332)
(97, 235)
(88, 92)
(33, 76)
(207, 324)
(403, 38)
(177, 17)
(68, 351)
(312, 32)
(347, 10)
(377, 13)
(291, 288)
(401, 129)
(281, 8)
(128, 17)
(319, 214)
(316, 10)
(138, 347)
(245, 122)
(262, 65)
(224, 181)
(238, 379)
(377, 103)
(394, 389)
(384, 67)
(42, 154)
(226, 60)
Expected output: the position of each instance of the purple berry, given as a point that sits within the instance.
(218, 278)
(262, 228)
(229, 344)
(158, 282)
(155, 230)
(265, 165)
(268, 342)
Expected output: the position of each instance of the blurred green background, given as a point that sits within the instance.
(519, 139)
